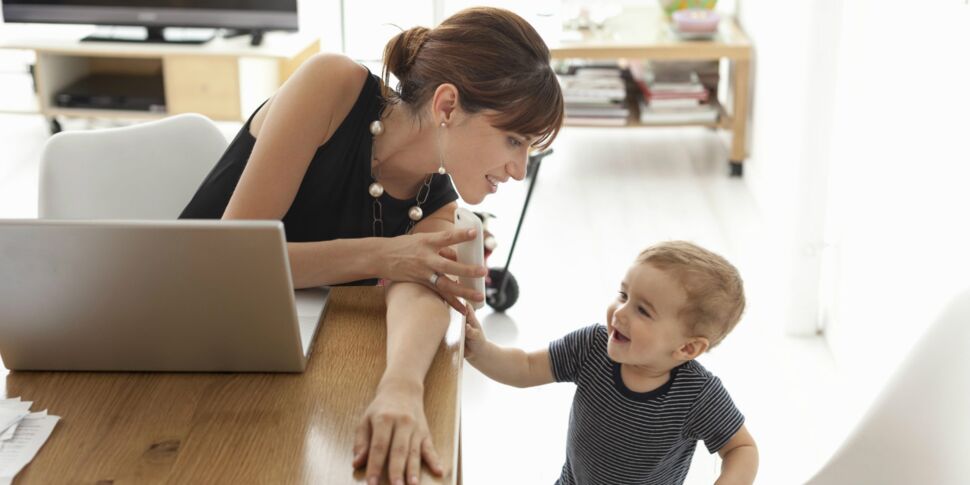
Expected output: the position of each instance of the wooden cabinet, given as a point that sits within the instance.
(225, 79)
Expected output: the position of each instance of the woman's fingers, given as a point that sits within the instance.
(449, 291)
(452, 237)
(399, 453)
(413, 471)
(361, 443)
(448, 252)
(450, 286)
(455, 303)
(450, 298)
(380, 442)
(430, 456)
(446, 266)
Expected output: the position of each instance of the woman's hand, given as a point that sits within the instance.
(416, 257)
(475, 340)
(394, 430)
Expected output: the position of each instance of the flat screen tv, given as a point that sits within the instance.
(255, 16)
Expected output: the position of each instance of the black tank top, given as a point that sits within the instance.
(333, 201)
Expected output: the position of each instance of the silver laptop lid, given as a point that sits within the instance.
(147, 296)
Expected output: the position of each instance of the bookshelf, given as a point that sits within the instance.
(643, 33)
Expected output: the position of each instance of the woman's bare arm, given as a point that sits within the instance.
(394, 429)
(299, 118)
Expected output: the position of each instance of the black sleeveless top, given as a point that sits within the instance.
(333, 201)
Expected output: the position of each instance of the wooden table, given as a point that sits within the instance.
(237, 428)
(644, 33)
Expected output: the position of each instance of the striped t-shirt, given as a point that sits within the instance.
(618, 436)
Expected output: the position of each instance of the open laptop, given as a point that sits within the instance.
(212, 296)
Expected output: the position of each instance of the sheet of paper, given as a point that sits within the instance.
(9, 418)
(12, 405)
(30, 436)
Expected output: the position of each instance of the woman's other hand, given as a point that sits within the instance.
(394, 430)
(416, 257)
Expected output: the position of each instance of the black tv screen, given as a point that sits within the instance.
(233, 14)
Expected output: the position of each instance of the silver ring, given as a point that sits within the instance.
(434, 279)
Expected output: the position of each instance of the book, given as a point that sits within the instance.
(650, 93)
(674, 102)
(612, 112)
(701, 114)
(576, 89)
(597, 121)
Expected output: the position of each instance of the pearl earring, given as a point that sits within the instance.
(441, 156)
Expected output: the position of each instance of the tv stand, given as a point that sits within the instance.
(256, 36)
(153, 35)
(224, 79)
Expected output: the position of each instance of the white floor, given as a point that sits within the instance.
(602, 197)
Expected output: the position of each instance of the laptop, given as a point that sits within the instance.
(173, 296)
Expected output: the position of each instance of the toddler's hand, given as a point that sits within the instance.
(474, 335)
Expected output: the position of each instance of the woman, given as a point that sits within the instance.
(361, 177)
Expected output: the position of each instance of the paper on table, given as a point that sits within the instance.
(30, 436)
(8, 434)
(9, 418)
(17, 405)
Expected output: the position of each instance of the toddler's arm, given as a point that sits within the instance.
(513, 367)
(740, 459)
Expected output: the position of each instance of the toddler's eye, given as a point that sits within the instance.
(644, 312)
(621, 296)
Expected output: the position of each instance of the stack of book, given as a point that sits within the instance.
(673, 96)
(595, 96)
(707, 71)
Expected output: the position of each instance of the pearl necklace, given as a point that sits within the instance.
(376, 190)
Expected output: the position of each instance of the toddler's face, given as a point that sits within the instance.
(642, 321)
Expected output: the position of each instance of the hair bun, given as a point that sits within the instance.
(401, 52)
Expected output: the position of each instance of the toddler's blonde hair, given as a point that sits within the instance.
(715, 292)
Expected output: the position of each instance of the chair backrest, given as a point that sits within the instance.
(145, 171)
(918, 429)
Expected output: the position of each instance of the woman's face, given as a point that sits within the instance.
(480, 157)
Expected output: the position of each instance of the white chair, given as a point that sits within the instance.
(145, 171)
(918, 429)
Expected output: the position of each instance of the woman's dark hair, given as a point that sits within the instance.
(495, 59)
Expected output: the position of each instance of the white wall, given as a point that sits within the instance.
(321, 17)
(900, 180)
(860, 129)
(794, 78)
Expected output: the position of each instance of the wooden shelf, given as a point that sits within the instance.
(224, 79)
(644, 33)
(105, 113)
(724, 121)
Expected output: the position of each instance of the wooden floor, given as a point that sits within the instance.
(601, 198)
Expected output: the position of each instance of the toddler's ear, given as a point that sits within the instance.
(693, 348)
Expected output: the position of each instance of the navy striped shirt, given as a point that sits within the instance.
(618, 436)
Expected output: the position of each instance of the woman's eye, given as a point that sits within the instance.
(514, 142)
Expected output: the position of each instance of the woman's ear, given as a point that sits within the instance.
(693, 348)
(444, 103)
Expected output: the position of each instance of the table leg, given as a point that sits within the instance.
(739, 128)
